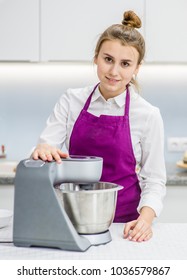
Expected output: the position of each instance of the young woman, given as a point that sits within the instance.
(112, 121)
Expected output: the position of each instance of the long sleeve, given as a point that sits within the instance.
(152, 174)
(56, 126)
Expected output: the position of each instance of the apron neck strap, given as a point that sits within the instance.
(127, 101)
(89, 98)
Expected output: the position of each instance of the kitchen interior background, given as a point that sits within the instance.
(47, 46)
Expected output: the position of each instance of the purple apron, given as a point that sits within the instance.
(109, 137)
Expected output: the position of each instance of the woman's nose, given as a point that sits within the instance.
(114, 70)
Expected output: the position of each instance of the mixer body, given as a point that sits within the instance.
(40, 219)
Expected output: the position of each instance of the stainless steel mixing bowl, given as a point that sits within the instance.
(90, 207)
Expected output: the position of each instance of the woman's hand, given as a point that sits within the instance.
(48, 153)
(140, 229)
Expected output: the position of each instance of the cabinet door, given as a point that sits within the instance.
(166, 35)
(70, 29)
(19, 30)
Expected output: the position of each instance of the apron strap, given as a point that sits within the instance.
(127, 102)
(86, 105)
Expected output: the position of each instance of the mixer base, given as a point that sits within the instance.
(99, 238)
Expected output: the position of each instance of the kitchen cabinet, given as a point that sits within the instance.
(59, 30)
(70, 29)
(19, 30)
(166, 36)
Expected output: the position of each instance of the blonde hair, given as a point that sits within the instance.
(127, 34)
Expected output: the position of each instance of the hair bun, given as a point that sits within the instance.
(131, 19)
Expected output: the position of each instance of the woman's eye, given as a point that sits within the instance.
(108, 59)
(125, 64)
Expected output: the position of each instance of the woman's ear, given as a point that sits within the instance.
(137, 69)
(95, 60)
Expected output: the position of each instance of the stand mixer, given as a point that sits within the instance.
(62, 205)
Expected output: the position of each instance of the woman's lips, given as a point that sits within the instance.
(112, 80)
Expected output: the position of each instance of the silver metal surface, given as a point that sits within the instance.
(90, 206)
(79, 169)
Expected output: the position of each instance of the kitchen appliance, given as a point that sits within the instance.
(62, 205)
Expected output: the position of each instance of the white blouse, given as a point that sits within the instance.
(147, 135)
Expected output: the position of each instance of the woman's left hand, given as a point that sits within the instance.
(138, 230)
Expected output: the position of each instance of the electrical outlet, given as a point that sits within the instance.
(184, 144)
(173, 144)
(177, 144)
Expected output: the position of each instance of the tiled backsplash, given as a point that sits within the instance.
(28, 93)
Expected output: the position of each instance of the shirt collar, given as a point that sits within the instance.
(119, 100)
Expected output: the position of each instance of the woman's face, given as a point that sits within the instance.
(116, 64)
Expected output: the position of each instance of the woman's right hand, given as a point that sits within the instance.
(48, 153)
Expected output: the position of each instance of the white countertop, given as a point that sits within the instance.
(169, 242)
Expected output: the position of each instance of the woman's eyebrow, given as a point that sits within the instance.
(126, 60)
(123, 60)
(108, 55)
